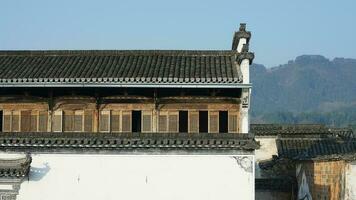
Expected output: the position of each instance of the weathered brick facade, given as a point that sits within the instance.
(325, 179)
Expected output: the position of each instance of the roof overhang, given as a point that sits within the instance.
(121, 142)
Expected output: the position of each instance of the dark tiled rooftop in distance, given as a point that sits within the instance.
(309, 141)
(317, 147)
(295, 129)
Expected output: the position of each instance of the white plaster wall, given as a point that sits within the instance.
(75, 176)
(241, 44)
(350, 184)
(267, 149)
(244, 120)
(11, 156)
(245, 70)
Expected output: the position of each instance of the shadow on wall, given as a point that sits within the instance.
(37, 173)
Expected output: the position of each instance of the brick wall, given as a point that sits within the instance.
(326, 179)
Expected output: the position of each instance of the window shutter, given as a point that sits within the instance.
(115, 121)
(162, 122)
(68, 120)
(57, 121)
(43, 121)
(88, 121)
(15, 121)
(34, 115)
(6, 121)
(173, 122)
(233, 122)
(213, 122)
(193, 122)
(78, 121)
(25, 121)
(126, 121)
(104, 121)
(146, 121)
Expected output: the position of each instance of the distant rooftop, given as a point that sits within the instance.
(295, 129)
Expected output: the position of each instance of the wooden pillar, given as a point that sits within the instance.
(155, 112)
(96, 113)
(50, 111)
(96, 120)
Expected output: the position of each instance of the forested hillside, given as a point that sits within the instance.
(309, 89)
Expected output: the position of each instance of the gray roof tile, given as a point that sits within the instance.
(147, 66)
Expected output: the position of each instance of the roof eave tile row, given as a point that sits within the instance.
(15, 168)
(323, 148)
(124, 141)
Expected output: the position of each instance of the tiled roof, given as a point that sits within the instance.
(110, 67)
(114, 142)
(14, 168)
(317, 147)
(295, 129)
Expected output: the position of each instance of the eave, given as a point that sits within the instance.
(128, 85)
(76, 142)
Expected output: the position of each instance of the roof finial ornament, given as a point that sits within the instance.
(242, 27)
(241, 36)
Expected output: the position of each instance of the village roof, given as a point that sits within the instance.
(296, 129)
(16, 167)
(120, 68)
(309, 141)
(317, 147)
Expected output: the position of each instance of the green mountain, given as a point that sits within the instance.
(309, 89)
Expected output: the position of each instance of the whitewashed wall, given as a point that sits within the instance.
(267, 149)
(350, 184)
(69, 176)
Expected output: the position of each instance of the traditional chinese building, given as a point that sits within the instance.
(305, 162)
(125, 102)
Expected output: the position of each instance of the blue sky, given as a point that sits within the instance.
(281, 29)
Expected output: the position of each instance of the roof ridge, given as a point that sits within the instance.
(114, 52)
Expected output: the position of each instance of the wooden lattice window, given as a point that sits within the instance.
(213, 121)
(193, 122)
(88, 120)
(78, 120)
(15, 121)
(57, 121)
(68, 120)
(42, 121)
(163, 122)
(173, 121)
(25, 121)
(233, 122)
(104, 123)
(34, 120)
(146, 121)
(126, 121)
(6, 121)
(115, 121)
